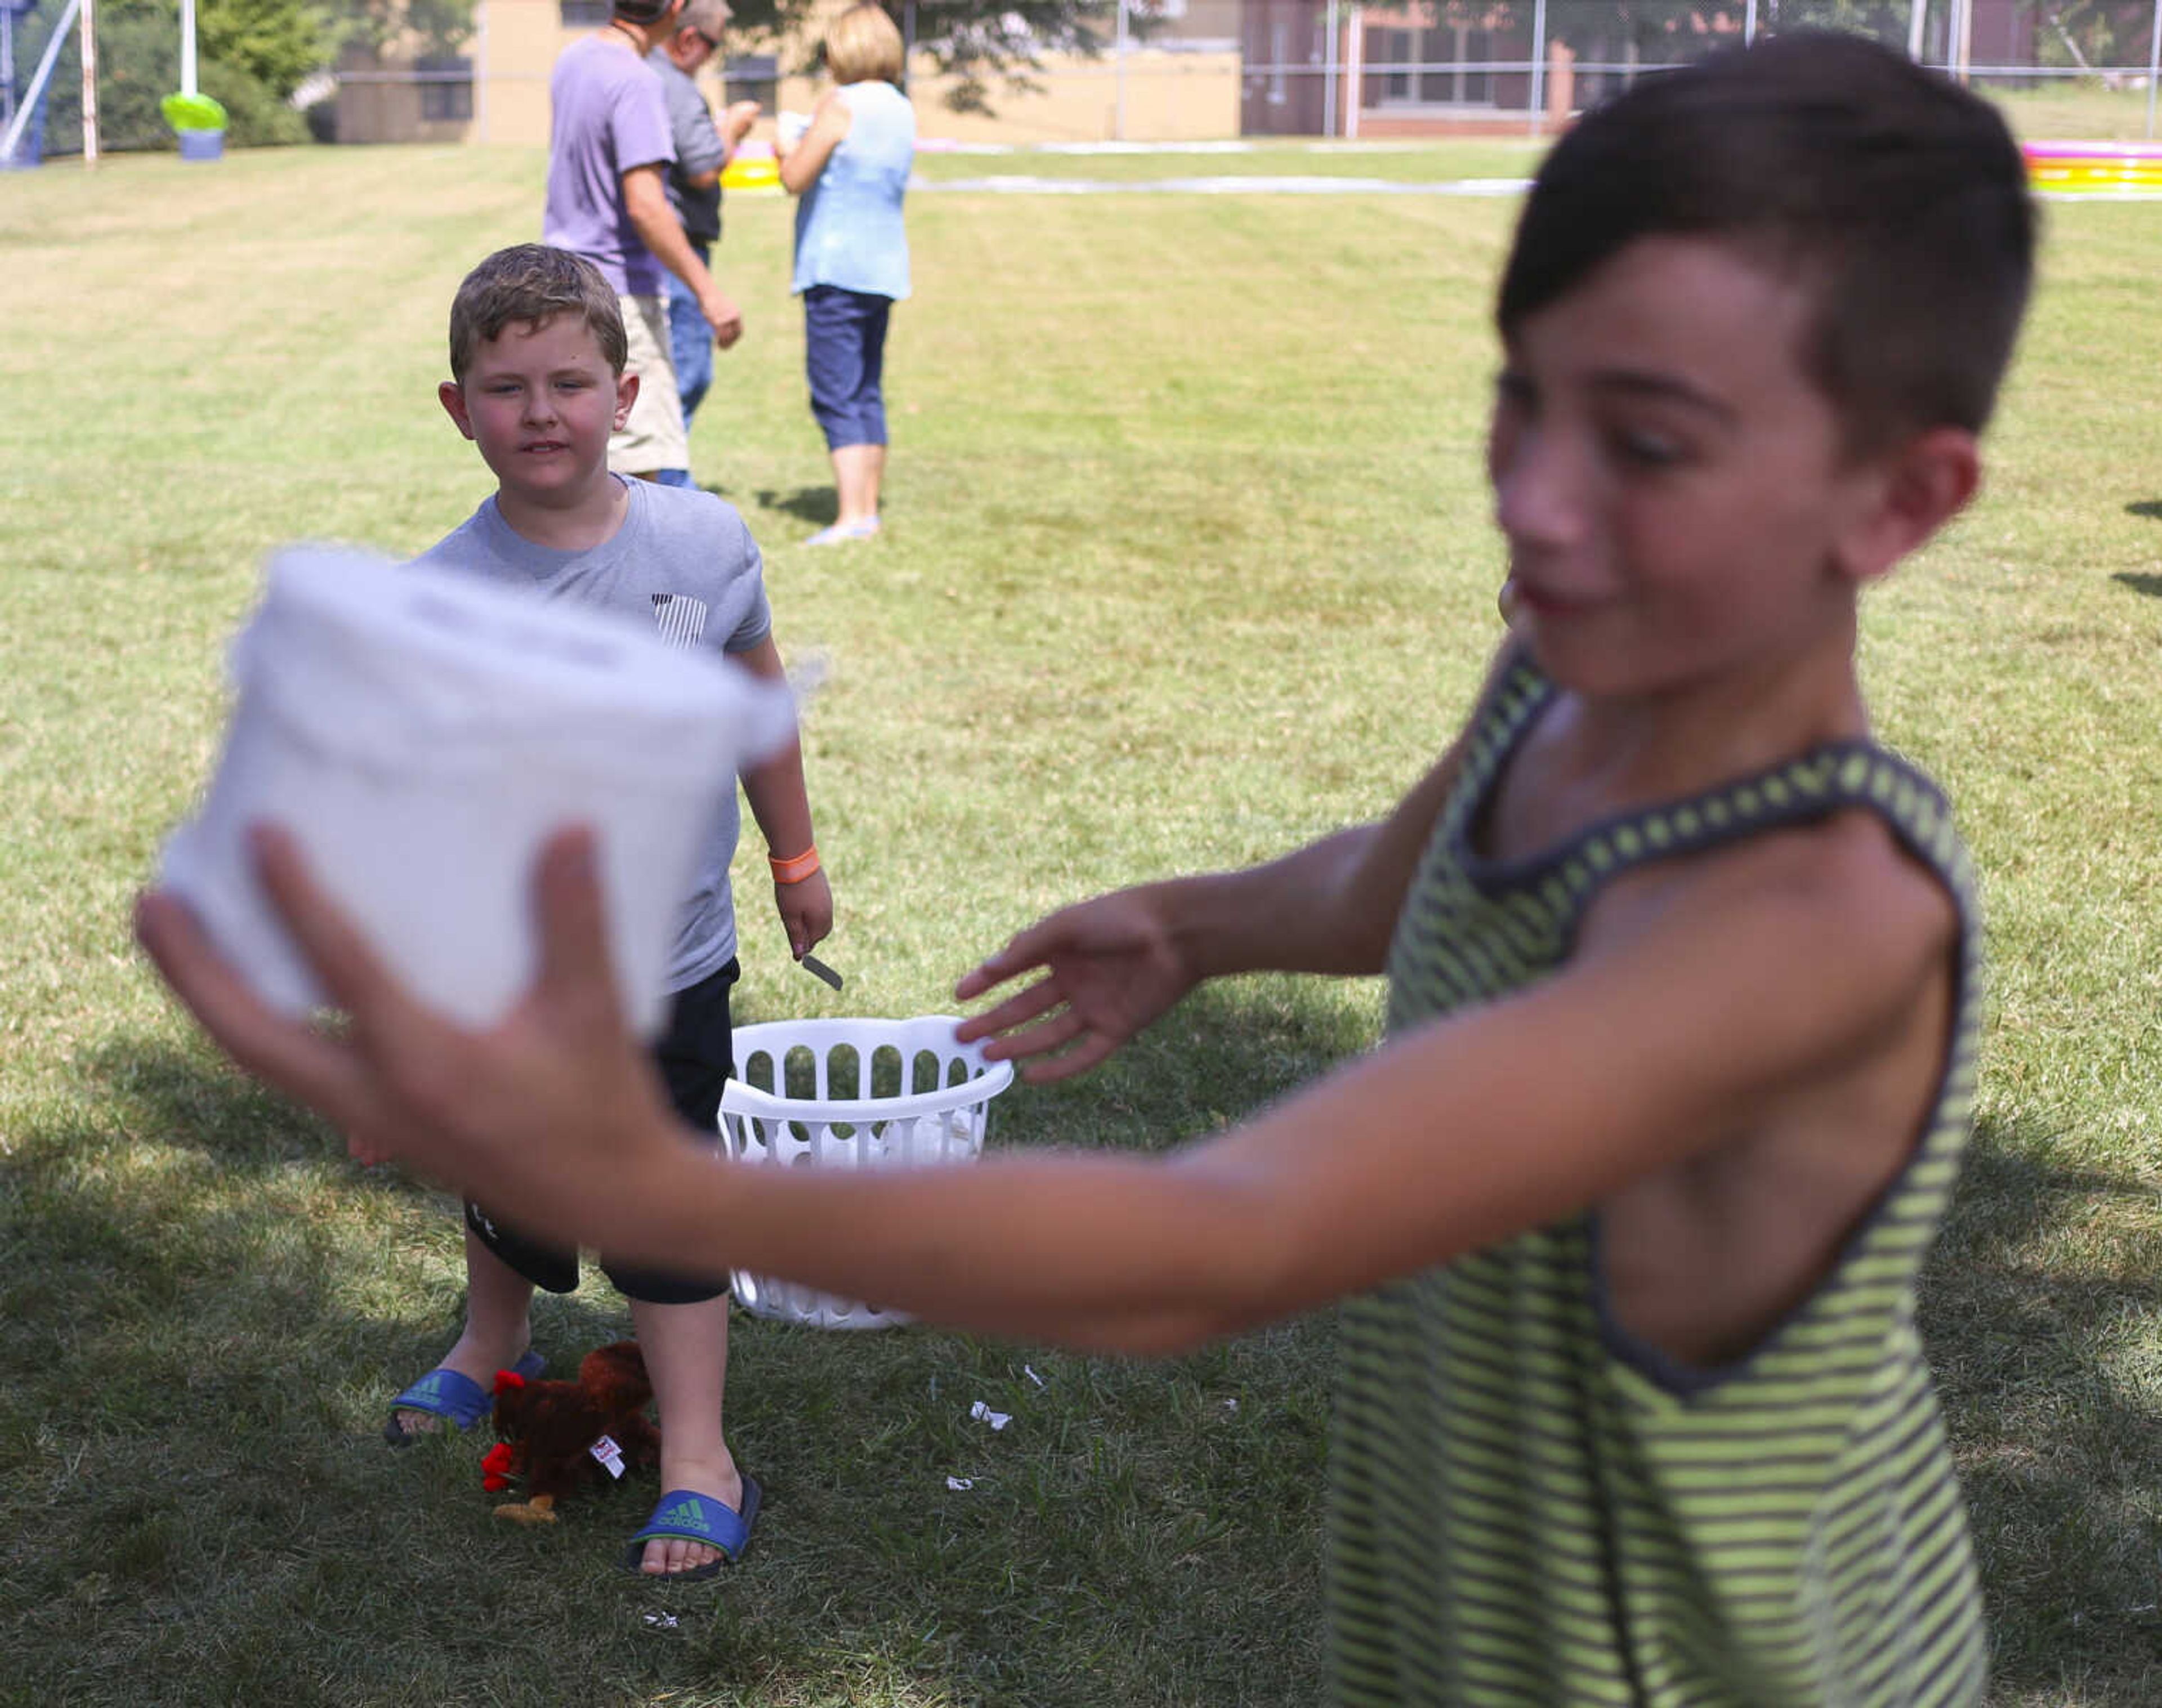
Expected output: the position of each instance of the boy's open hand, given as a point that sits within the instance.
(547, 1114)
(1110, 967)
(806, 912)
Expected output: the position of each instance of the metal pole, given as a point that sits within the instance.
(1356, 71)
(187, 47)
(1328, 74)
(1918, 19)
(907, 41)
(38, 78)
(87, 25)
(6, 65)
(1538, 67)
(1119, 127)
(2154, 67)
(1963, 21)
(1749, 25)
(480, 70)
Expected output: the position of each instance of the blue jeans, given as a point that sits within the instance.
(691, 349)
(844, 355)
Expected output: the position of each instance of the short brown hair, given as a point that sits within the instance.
(1899, 194)
(863, 46)
(528, 284)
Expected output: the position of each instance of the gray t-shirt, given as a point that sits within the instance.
(698, 149)
(607, 115)
(683, 559)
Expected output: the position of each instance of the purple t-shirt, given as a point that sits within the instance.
(610, 114)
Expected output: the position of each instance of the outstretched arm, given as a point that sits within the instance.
(1112, 965)
(1451, 1137)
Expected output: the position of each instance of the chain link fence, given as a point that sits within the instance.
(2084, 68)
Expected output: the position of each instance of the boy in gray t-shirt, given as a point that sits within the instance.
(537, 352)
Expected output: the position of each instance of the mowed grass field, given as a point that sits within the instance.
(1188, 559)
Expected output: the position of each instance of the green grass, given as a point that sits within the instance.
(1188, 559)
(1395, 162)
(2075, 108)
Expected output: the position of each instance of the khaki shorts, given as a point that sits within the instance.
(654, 438)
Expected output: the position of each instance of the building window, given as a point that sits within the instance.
(1392, 51)
(1436, 67)
(445, 87)
(586, 15)
(753, 77)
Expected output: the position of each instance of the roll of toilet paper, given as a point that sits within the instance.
(421, 734)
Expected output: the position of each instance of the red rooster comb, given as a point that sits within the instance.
(496, 1465)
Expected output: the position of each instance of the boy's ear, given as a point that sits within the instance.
(626, 394)
(453, 397)
(1916, 489)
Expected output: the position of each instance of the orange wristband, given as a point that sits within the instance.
(795, 869)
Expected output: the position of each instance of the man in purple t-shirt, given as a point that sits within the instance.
(609, 148)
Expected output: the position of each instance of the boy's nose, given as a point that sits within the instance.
(1538, 490)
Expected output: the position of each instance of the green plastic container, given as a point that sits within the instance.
(193, 112)
(199, 121)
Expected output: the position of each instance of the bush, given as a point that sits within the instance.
(255, 118)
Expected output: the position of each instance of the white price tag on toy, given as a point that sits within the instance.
(608, 1454)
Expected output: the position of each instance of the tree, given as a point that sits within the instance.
(276, 42)
(978, 42)
(2091, 35)
(438, 26)
(1664, 30)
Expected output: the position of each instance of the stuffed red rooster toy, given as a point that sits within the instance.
(557, 1434)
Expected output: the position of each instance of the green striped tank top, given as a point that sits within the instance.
(1528, 1507)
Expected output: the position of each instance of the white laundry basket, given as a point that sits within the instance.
(851, 1093)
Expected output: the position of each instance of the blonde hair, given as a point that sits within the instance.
(531, 283)
(863, 46)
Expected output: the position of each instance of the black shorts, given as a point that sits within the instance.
(695, 1056)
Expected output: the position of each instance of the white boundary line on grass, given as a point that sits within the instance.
(1260, 184)
(1256, 185)
(938, 145)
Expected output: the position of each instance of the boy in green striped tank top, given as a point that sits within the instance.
(1629, 1207)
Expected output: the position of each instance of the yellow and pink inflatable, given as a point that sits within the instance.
(2095, 168)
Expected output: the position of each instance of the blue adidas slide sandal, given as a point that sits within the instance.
(459, 1400)
(695, 1518)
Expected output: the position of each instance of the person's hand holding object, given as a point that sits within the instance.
(549, 1113)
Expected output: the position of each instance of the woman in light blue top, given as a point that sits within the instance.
(851, 170)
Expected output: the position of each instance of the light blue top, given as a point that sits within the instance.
(848, 225)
